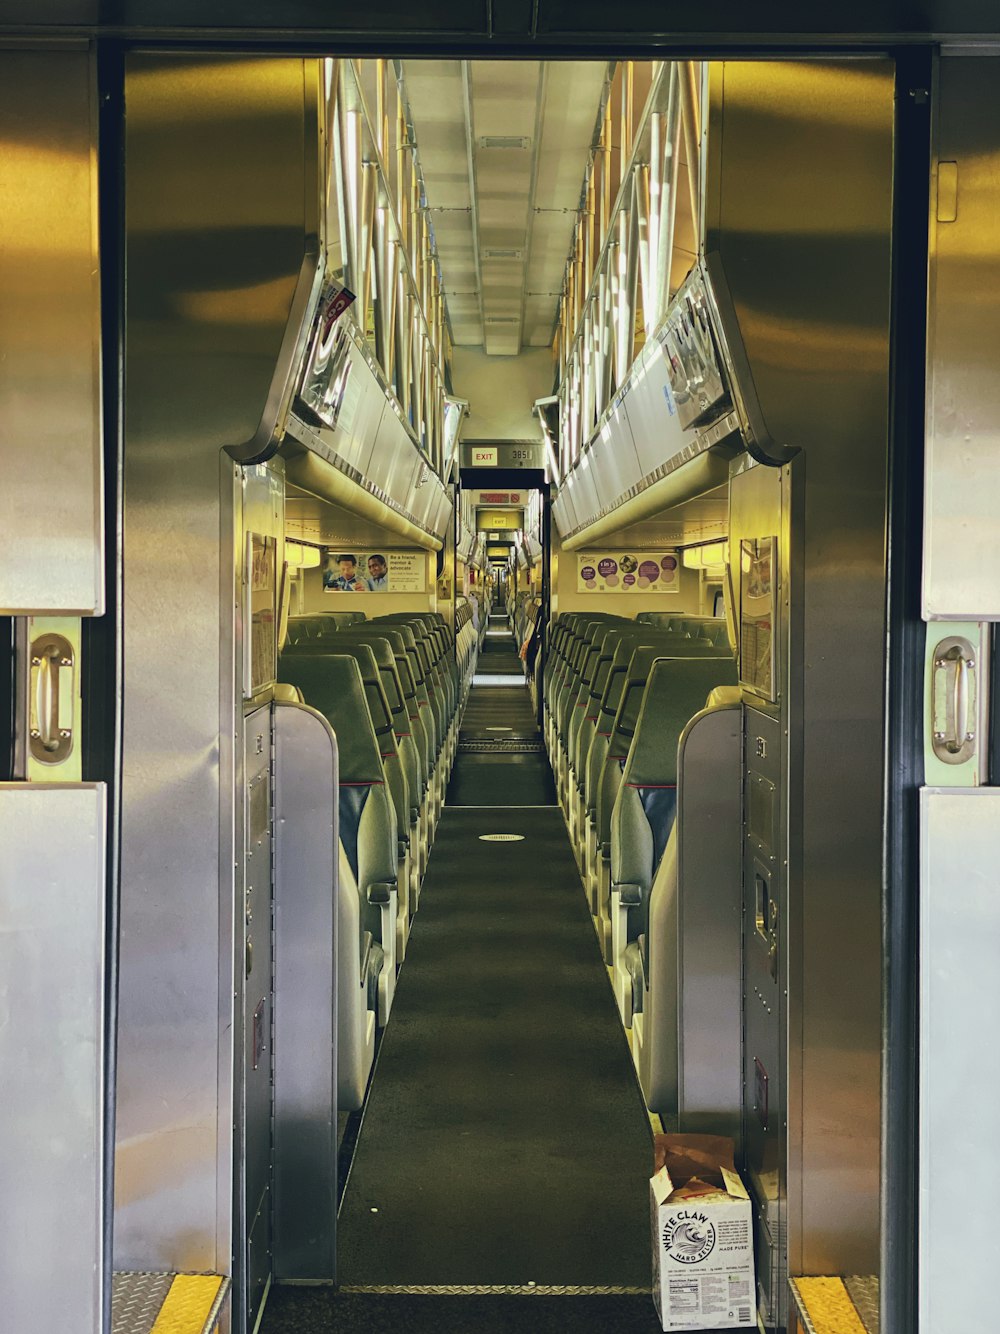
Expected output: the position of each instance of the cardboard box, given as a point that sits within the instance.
(703, 1274)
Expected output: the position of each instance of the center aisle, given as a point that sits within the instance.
(505, 1143)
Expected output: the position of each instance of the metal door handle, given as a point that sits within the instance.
(52, 671)
(953, 700)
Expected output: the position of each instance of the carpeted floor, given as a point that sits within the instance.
(499, 714)
(505, 1140)
(323, 1311)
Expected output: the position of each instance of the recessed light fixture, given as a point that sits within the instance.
(520, 141)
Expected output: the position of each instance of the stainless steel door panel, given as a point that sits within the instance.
(51, 501)
(959, 1068)
(961, 573)
(256, 984)
(52, 952)
(222, 204)
(305, 992)
(811, 143)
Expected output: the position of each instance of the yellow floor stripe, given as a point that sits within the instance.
(189, 1304)
(829, 1306)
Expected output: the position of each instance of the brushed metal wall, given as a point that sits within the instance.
(798, 209)
(51, 501)
(52, 962)
(959, 822)
(961, 572)
(221, 209)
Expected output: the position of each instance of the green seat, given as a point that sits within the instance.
(332, 684)
(613, 735)
(645, 804)
(394, 670)
(695, 910)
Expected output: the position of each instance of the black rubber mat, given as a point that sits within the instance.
(498, 711)
(505, 1141)
(323, 1311)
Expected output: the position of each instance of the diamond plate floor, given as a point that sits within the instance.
(148, 1303)
(136, 1300)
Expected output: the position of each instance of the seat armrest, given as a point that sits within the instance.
(402, 845)
(629, 895)
(381, 891)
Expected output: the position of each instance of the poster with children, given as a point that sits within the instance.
(350, 570)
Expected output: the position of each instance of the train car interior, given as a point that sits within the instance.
(480, 731)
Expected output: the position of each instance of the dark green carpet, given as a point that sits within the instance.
(505, 1141)
(499, 651)
(501, 780)
(321, 1311)
(498, 713)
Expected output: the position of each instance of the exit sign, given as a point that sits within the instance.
(503, 454)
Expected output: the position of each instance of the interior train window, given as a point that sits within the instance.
(261, 613)
(757, 605)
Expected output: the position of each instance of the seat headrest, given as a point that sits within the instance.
(676, 691)
(331, 683)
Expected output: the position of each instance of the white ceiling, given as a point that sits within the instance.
(503, 214)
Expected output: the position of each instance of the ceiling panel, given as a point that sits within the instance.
(529, 127)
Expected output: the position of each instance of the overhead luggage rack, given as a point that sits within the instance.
(150, 1303)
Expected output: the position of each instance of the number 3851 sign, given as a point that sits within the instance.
(628, 572)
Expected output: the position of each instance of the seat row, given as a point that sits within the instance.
(392, 689)
(469, 630)
(620, 697)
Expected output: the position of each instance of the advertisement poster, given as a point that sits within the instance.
(348, 570)
(628, 572)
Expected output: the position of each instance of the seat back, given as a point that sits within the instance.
(566, 689)
(332, 684)
(609, 640)
(646, 802)
(398, 750)
(692, 956)
(613, 726)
